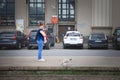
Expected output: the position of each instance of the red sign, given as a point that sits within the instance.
(54, 19)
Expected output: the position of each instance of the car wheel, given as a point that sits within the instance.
(81, 47)
(47, 46)
(116, 47)
(0, 48)
(106, 47)
(53, 44)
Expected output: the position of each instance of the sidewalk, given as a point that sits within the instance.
(55, 63)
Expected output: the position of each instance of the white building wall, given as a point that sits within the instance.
(116, 13)
(84, 16)
(102, 16)
(102, 13)
(89, 13)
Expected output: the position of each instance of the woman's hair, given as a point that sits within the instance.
(41, 23)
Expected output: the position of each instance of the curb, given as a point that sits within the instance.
(21, 68)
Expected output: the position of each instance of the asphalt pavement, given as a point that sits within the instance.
(61, 63)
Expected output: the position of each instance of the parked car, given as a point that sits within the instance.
(12, 39)
(116, 38)
(31, 42)
(73, 38)
(98, 40)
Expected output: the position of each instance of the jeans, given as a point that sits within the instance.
(40, 48)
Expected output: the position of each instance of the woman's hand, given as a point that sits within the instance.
(45, 41)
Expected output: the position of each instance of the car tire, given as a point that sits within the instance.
(47, 46)
(116, 47)
(53, 44)
(106, 47)
(0, 48)
(81, 47)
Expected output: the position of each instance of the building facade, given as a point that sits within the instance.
(85, 16)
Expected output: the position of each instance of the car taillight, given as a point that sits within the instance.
(28, 36)
(14, 37)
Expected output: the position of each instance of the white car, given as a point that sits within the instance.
(73, 38)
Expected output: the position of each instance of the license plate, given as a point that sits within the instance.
(98, 41)
(72, 39)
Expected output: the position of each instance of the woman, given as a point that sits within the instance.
(41, 39)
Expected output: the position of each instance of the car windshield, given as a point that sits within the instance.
(6, 34)
(118, 32)
(33, 33)
(97, 36)
(73, 34)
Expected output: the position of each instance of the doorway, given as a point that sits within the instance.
(62, 30)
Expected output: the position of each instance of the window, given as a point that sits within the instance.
(118, 32)
(36, 12)
(66, 10)
(7, 12)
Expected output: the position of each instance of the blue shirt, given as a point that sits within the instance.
(39, 35)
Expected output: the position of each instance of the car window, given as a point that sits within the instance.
(33, 33)
(73, 34)
(97, 36)
(118, 32)
(6, 34)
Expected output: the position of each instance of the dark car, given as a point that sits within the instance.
(98, 40)
(116, 38)
(31, 41)
(12, 39)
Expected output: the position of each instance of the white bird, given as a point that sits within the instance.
(66, 61)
